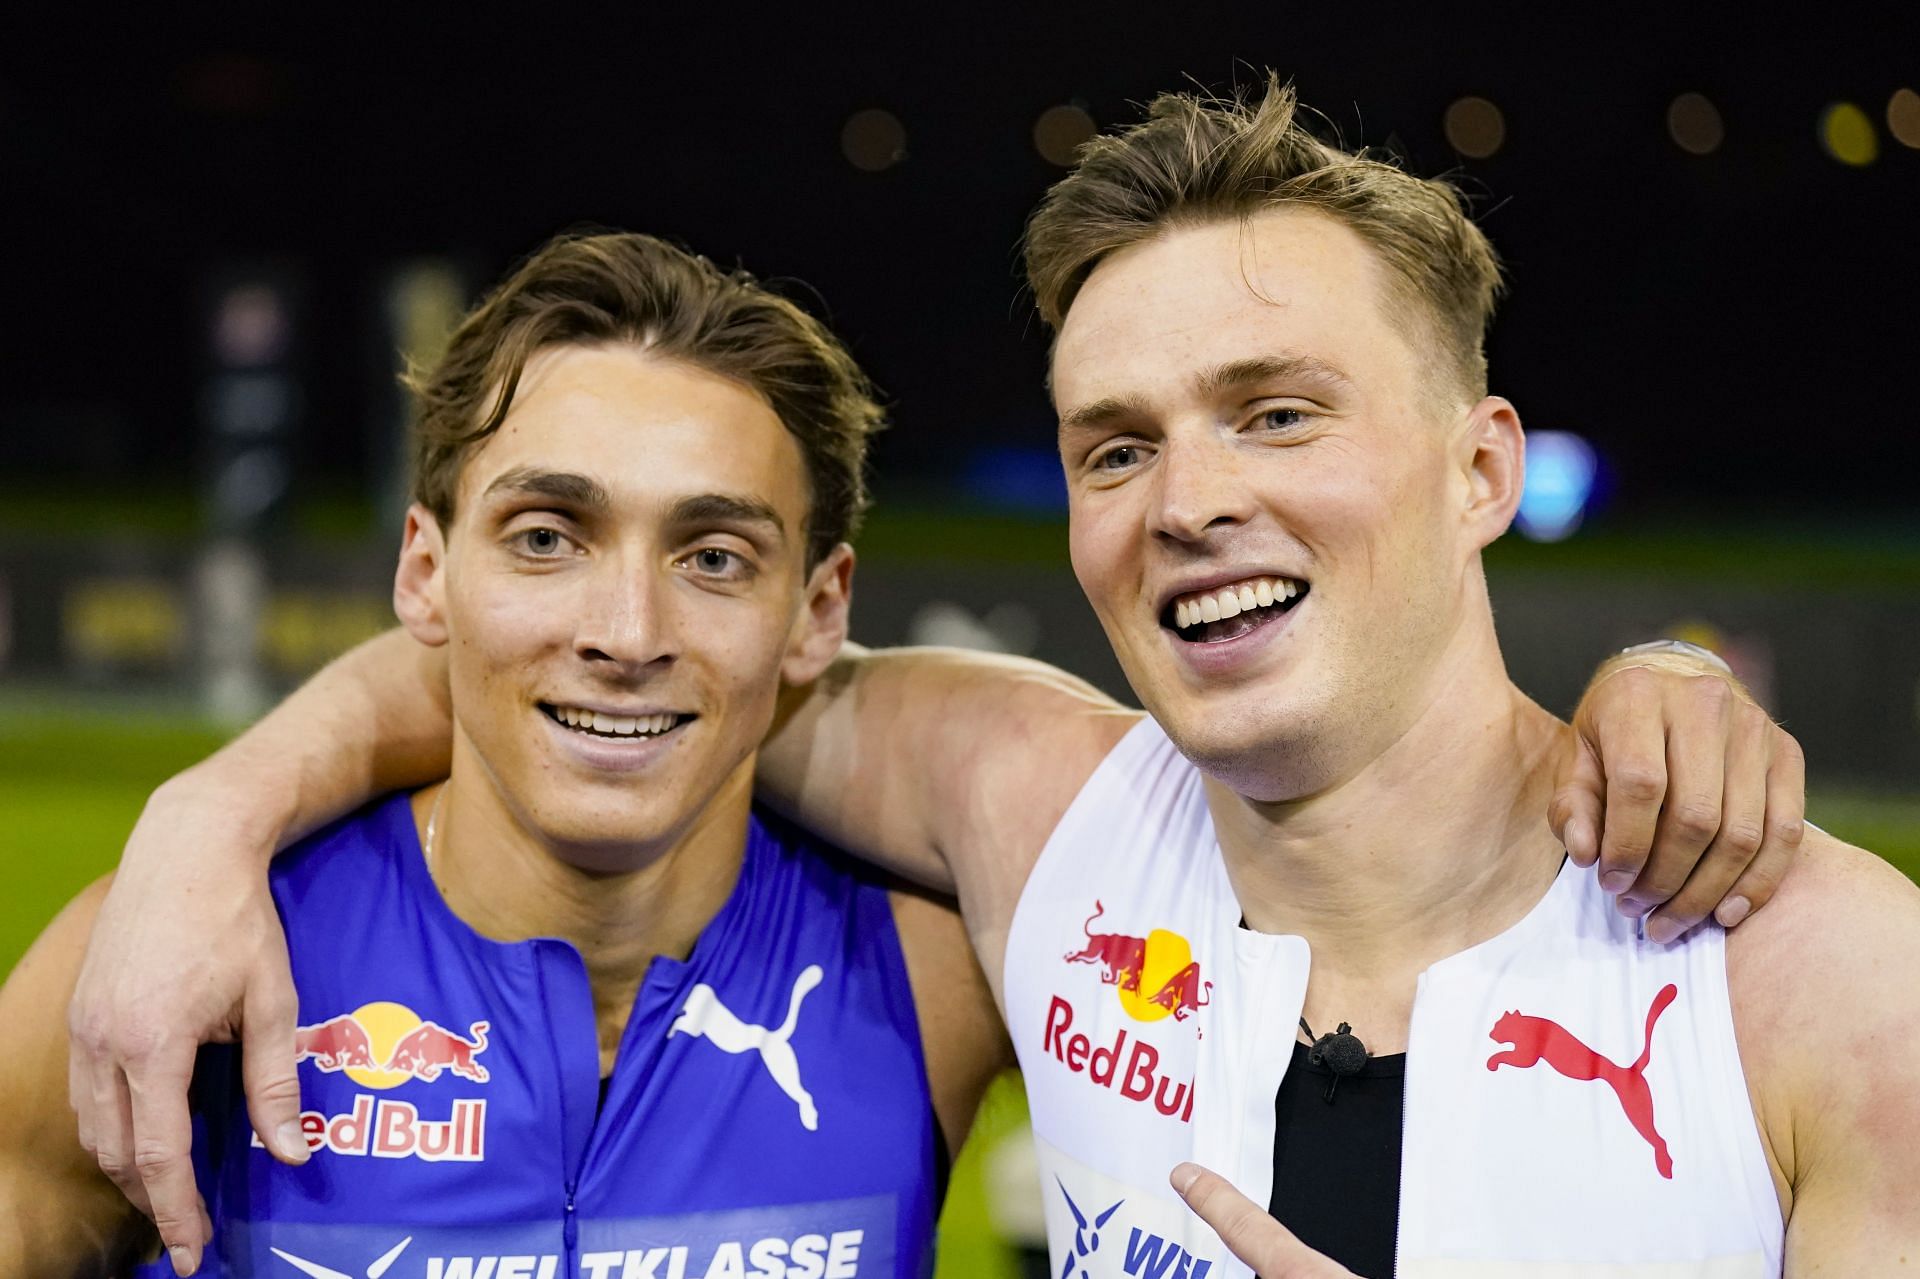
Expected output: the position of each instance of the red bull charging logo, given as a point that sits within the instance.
(381, 1046)
(1156, 976)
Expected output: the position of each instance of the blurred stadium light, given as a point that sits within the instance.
(1560, 482)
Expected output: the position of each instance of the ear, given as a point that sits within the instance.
(1493, 461)
(821, 629)
(419, 581)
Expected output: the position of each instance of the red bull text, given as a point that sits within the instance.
(383, 1045)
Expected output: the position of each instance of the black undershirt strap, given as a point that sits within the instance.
(1336, 1164)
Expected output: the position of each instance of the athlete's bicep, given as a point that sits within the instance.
(1829, 1026)
(67, 1217)
(932, 760)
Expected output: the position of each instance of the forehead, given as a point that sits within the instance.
(1286, 282)
(646, 427)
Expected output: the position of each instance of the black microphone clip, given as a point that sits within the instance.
(1342, 1053)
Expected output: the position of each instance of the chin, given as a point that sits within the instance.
(1270, 753)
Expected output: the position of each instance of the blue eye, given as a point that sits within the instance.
(1116, 458)
(713, 560)
(1272, 418)
(543, 541)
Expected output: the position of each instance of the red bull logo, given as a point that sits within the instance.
(1154, 978)
(1160, 963)
(381, 1046)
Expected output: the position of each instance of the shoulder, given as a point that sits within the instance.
(1826, 1010)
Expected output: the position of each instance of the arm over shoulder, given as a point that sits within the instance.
(949, 767)
(67, 1217)
(1827, 1010)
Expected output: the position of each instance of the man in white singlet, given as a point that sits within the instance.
(1283, 466)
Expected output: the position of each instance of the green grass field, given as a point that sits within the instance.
(72, 781)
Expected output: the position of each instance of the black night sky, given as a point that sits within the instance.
(1736, 330)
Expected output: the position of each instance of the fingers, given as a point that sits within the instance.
(107, 1130)
(1699, 715)
(1741, 829)
(1246, 1228)
(1784, 828)
(267, 1065)
(1629, 730)
(161, 1150)
(1574, 813)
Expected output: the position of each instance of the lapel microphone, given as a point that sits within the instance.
(1341, 1052)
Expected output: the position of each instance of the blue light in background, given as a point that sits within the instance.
(1020, 479)
(1559, 489)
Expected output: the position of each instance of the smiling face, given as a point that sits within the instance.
(1273, 512)
(622, 590)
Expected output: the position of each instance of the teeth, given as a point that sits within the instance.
(614, 725)
(1231, 601)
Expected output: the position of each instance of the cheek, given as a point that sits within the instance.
(1099, 547)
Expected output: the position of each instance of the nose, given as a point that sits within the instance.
(1198, 489)
(625, 623)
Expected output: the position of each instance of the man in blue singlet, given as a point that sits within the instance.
(580, 1010)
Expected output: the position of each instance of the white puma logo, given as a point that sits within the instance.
(704, 1016)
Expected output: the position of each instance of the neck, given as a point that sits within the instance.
(1432, 846)
(509, 885)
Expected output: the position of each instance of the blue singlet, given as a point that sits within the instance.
(768, 1113)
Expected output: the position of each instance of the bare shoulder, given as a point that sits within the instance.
(1827, 1014)
(1005, 744)
(961, 1032)
(1836, 937)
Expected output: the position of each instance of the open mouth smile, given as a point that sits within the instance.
(616, 727)
(1228, 612)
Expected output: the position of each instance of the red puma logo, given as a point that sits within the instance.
(1536, 1039)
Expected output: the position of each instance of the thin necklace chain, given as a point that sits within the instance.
(433, 824)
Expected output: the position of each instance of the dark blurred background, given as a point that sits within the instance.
(223, 230)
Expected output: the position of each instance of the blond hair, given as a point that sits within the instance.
(1199, 159)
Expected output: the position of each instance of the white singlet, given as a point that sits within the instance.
(1575, 1104)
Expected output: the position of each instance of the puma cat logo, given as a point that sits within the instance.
(703, 1016)
(1535, 1039)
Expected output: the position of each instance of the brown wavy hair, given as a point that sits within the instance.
(624, 287)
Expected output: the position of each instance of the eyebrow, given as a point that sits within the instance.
(580, 491)
(1210, 383)
(727, 508)
(1270, 368)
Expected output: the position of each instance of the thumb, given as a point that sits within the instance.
(267, 1065)
(1578, 802)
(1254, 1237)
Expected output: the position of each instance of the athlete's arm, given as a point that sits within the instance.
(64, 1216)
(947, 766)
(154, 986)
(1827, 1016)
(1684, 790)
